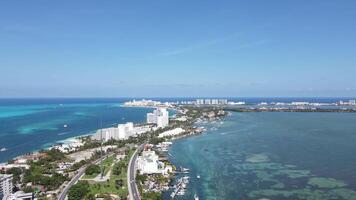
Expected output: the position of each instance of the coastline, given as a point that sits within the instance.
(67, 140)
(192, 127)
(215, 156)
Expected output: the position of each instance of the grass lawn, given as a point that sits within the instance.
(109, 186)
(87, 176)
(106, 164)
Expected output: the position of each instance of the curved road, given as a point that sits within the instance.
(131, 172)
(81, 171)
(63, 194)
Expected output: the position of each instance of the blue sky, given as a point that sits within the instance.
(177, 48)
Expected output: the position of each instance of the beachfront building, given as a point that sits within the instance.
(160, 117)
(211, 101)
(143, 102)
(19, 195)
(121, 132)
(173, 132)
(200, 101)
(148, 162)
(5, 185)
(68, 145)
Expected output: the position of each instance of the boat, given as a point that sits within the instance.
(65, 125)
(198, 176)
(3, 149)
(182, 169)
(214, 129)
(181, 192)
(196, 197)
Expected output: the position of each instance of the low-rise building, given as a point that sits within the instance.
(172, 132)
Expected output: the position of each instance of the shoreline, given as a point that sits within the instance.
(67, 140)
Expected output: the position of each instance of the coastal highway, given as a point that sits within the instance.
(131, 170)
(63, 194)
(81, 171)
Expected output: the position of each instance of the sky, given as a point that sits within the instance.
(177, 48)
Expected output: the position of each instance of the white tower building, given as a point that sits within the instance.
(5, 185)
(160, 117)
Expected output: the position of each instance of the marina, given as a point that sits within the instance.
(179, 189)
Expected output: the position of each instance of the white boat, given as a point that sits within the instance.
(3, 149)
(65, 125)
(196, 197)
(181, 192)
(198, 176)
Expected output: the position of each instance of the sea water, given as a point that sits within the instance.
(27, 125)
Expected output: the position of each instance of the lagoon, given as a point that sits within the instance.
(272, 156)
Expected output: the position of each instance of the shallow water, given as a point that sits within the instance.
(31, 124)
(272, 156)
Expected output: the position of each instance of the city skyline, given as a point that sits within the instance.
(177, 48)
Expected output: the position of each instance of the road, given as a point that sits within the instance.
(131, 172)
(75, 179)
(63, 194)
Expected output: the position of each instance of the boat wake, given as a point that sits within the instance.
(228, 132)
(63, 133)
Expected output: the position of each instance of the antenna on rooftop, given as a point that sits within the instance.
(101, 148)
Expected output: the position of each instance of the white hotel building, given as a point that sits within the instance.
(147, 163)
(5, 185)
(121, 132)
(160, 117)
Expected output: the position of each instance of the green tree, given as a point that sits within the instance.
(92, 169)
(79, 191)
(152, 196)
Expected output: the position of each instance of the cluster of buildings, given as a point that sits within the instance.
(159, 117)
(6, 186)
(69, 146)
(211, 101)
(348, 103)
(294, 103)
(146, 103)
(121, 132)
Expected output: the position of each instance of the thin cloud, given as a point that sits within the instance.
(210, 43)
(202, 45)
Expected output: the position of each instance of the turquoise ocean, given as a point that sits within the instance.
(28, 125)
(246, 156)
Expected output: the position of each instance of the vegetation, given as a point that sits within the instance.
(141, 178)
(119, 167)
(77, 165)
(36, 176)
(16, 174)
(43, 171)
(117, 184)
(28, 189)
(79, 191)
(92, 169)
(152, 196)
